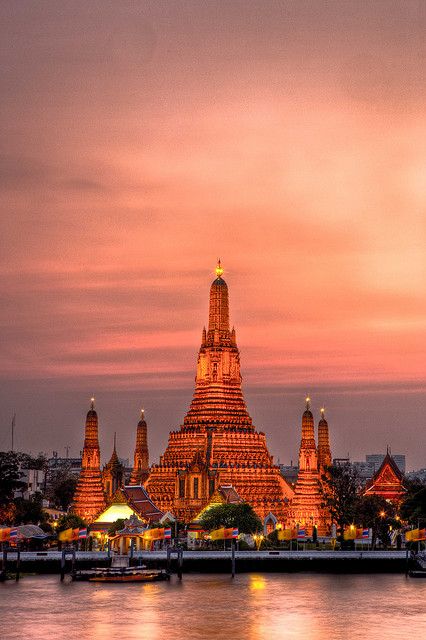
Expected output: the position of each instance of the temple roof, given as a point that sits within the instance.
(127, 501)
(387, 481)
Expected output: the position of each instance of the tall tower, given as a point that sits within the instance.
(113, 473)
(305, 509)
(89, 498)
(217, 442)
(324, 451)
(140, 471)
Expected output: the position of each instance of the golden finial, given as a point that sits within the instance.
(142, 413)
(219, 269)
(92, 402)
(308, 403)
(322, 412)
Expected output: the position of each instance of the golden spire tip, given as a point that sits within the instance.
(92, 402)
(219, 269)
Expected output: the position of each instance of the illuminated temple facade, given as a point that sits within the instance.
(306, 511)
(217, 444)
(89, 497)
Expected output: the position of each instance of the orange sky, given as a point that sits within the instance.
(143, 140)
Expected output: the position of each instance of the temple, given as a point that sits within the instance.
(306, 511)
(387, 482)
(89, 497)
(217, 444)
(140, 471)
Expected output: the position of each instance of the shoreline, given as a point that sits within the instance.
(220, 561)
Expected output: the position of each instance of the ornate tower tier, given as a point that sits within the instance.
(217, 443)
(218, 399)
(89, 497)
(140, 469)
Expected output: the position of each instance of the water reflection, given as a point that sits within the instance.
(256, 606)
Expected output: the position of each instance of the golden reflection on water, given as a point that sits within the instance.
(253, 607)
(257, 583)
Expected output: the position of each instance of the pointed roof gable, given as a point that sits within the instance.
(128, 501)
(387, 481)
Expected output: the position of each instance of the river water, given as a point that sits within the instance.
(252, 606)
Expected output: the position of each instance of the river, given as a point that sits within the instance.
(252, 606)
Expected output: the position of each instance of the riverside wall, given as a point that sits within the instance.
(220, 561)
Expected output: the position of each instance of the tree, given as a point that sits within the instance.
(116, 526)
(413, 508)
(10, 477)
(340, 488)
(240, 516)
(70, 521)
(378, 515)
(61, 487)
(30, 511)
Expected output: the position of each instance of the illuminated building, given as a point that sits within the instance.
(127, 501)
(305, 510)
(140, 469)
(89, 498)
(217, 443)
(324, 451)
(387, 482)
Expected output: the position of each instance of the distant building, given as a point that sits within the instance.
(34, 480)
(289, 472)
(375, 460)
(419, 475)
(55, 463)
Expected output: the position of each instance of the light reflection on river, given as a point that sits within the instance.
(253, 606)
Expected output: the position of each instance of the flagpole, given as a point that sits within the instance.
(13, 430)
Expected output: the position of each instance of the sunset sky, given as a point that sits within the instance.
(141, 141)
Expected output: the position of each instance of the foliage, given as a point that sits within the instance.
(30, 462)
(413, 507)
(378, 515)
(241, 516)
(340, 487)
(30, 511)
(10, 477)
(61, 488)
(70, 521)
(116, 526)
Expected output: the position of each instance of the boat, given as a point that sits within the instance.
(129, 575)
(417, 573)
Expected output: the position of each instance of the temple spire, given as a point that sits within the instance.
(307, 453)
(140, 471)
(324, 451)
(89, 498)
(219, 307)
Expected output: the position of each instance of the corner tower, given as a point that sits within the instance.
(89, 498)
(306, 511)
(140, 469)
(217, 442)
(324, 450)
